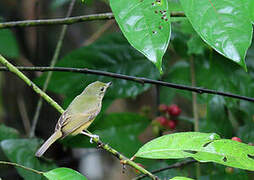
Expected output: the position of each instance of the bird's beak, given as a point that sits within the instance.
(109, 84)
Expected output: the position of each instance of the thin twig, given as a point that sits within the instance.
(194, 95)
(100, 144)
(141, 80)
(20, 166)
(194, 107)
(23, 113)
(68, 21)
(52, 64)
(176, 165)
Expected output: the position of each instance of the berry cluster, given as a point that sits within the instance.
(169, 113)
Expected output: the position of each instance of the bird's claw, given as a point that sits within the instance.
(94, 136)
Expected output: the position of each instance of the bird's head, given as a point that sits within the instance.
(97, 88)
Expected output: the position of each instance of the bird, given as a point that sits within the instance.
(79, 115)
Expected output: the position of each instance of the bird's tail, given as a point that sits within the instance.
(57, 134)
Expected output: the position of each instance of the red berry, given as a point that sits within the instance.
(163, 108)
(174, 110)
(236, 139)
(171, 124)
(162, 120)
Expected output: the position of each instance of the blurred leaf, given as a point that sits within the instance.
(21, 151)
(204, 147)
(221, 25)
(112, 54)
(214, 73)
(120, 130)
(196, 45)
(64, 174)
(57, 3)
(180, 178)
(146, 25)
(8, 132)
(217, 171)
(8, 44)
(217, 119)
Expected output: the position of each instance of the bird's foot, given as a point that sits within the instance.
(94, 136)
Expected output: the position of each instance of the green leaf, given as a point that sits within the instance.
(204, 147)
(180, 178)
(146, 25)
(120, 130)
(173, 145)
(249, 4)
(112, 54)
(223, 24)
(8, 132)
(64, 174)
(21, 151)
(8, 44)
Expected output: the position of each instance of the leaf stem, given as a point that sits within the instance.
(21, 166)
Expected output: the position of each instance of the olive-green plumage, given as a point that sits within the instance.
(79, 115)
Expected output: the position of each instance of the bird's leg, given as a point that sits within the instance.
(90, 135)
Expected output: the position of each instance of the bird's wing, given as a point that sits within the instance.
(75, 121)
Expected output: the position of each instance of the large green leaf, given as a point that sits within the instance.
(112, 54)
(8, 132)
(64, 174)
(224, 25)
(204, 147)
(120, 130)
(146, 25)
(8, 44)
(21, 151)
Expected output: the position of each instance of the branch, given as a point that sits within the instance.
(100, 144)
(67, 21)
(176, 165)
(23, 167)
(141, 80)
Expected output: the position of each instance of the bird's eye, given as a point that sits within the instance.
(102, 89)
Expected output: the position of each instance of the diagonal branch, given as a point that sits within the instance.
(100, 144)
(141, 80)
(67, 21)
